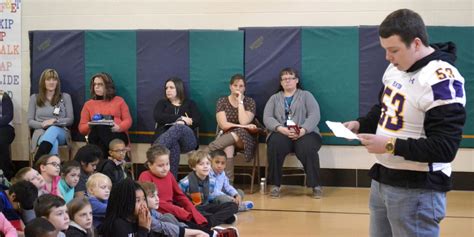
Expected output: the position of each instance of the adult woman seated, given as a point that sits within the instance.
(7, 134)
(104, 104)
(49, 114)
(292, 116)
(176, 119)
(234, 114)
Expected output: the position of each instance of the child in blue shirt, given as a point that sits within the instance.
(98, 191)
(223, 190)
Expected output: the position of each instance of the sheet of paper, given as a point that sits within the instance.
(340, 131)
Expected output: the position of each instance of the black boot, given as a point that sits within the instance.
(43, 148)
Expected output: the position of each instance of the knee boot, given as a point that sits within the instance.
(43, 148)
(222, 142)
(229, 169)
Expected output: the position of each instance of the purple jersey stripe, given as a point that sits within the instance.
(441, 91)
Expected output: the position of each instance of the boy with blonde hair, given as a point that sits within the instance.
(199, 187)
(98, 191)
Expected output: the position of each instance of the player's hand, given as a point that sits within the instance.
(374, 143)
(353, 126)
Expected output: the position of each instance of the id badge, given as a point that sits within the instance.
(56, 111)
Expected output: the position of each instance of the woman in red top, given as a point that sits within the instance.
(105, 103)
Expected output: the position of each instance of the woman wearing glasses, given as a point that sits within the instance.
(292, 116)
(105, 105)
(49, 114)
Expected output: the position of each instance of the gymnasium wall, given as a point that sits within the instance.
(229, 15)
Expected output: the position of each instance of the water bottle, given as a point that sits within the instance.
(263, 184)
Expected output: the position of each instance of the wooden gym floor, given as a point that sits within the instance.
(341, 212)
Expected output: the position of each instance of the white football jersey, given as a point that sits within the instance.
(406, 98)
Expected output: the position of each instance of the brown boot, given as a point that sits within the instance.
(229, 169)
(222, 142)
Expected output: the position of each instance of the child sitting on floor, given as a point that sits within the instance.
(98, 191)
(224, 191)
(199, 187)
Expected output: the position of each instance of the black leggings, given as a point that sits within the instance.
(102, 135)
(7, 134)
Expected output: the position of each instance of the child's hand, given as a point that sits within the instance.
(144, 217)
(237, 199)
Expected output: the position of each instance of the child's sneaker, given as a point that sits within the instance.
(245, 205)
(226, 232)
(275, 192)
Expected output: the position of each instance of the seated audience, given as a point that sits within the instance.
(41, 227)
(88, 156)
(54, 209)
(234, 115)
(80, 211)
(292, 116)
(98, 191)
(49, 167)
(70, 174)
(49, 114)
(104, 104)
(114, 166)
(7, 134)
(176, 116)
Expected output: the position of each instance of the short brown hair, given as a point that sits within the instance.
(196, 157)
(237, 77)
(154, 151)
(148, 187)
(45, 203)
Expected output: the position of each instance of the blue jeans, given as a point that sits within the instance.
(54, 135)
(396, 211)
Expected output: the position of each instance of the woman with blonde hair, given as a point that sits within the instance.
(50, 112)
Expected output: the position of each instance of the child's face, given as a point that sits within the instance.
(84, 217)
(101, 191)
(52, 167)
(118, 151)
(72, 178)
(153, 200)
(90, 167)
(202, 168)
(161, 166)
(34, 177)
(140, 201)
(59, 218)
(218, 164)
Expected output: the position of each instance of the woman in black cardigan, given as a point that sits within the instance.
(7, 134)
(176, 120)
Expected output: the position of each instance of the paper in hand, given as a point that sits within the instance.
(340, 130)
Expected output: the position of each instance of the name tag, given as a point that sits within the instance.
(56, 111)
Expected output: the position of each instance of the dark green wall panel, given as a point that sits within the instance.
(330, 70)
(114, 52)
(214, 57)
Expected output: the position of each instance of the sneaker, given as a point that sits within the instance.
(275, 192)
(245, 205)
(226, 232)
(317, 192)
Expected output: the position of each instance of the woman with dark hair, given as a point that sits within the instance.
(105, 104)
(176, 117)
(49, 114)
(7, 134)
(292, 116)
(127, 211)
(234, 114)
